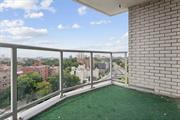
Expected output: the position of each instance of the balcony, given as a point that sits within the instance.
(92, 93)
(66, 84)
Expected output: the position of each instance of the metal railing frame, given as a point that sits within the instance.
(14, 47)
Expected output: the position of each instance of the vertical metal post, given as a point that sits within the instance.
(14, 83)
(126, 68)
(111, 67)
(91, 69)
(61, 73)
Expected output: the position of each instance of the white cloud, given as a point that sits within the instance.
(29, 6)
(76, 26)
(100, 22)
(15, 29)
(117, 44)
(11, 23)
(82, 10)
(26, 31)
(34, 15)
(61, 27)
(112, 38)
(46, 3)
(18, 4)
(65, 27)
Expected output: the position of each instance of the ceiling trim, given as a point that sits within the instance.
(100, 11)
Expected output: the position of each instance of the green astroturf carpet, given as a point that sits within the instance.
(114, 103)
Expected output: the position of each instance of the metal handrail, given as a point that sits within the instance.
(48, 49)
(15, 47)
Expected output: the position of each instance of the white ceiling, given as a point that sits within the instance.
(111, 7)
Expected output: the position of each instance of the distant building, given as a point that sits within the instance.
(5, 76)
(96, 73)
(54, 70)
(101, 66)
(42, 70)
(37, 63)
(84, 74)
(83, 60)
(81, 72)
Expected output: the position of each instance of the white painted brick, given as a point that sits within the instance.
(154, 46)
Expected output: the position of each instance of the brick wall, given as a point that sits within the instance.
(154, 46)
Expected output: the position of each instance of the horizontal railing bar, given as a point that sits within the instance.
(82, 85)
(117, 80)
(119, 52)
(38, 101)
(124, 58)
(48, 49)
(86, 51)
(6, 115)
(75, 87)
(99, 81)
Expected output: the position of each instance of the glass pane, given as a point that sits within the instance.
(76, 69)
(5, 80)
(118, 71)
(38, 74)
(101, 66)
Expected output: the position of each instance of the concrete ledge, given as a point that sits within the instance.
(141, 89)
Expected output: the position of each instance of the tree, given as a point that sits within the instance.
(70, 62)
(70, 80)
(119, 62)
(43, 88)
(27, 85)
(50, 62)
(28, 62)
(5, 97)
(54, 81)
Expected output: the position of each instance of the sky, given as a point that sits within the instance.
(61, 24)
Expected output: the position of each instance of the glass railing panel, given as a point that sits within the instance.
(119, 67)
(5, 81)
(76, 69)
(38, 75)
(101, 66)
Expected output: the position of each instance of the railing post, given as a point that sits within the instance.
(61, 73)
(126, 68)
(91, 69)
(14, 83)
(111, 65)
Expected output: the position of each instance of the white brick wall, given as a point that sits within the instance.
(154, 46)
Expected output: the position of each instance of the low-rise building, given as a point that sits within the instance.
(54, 70)
(84, 73)
(5, 76)
(81, 72)
(42, 70)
